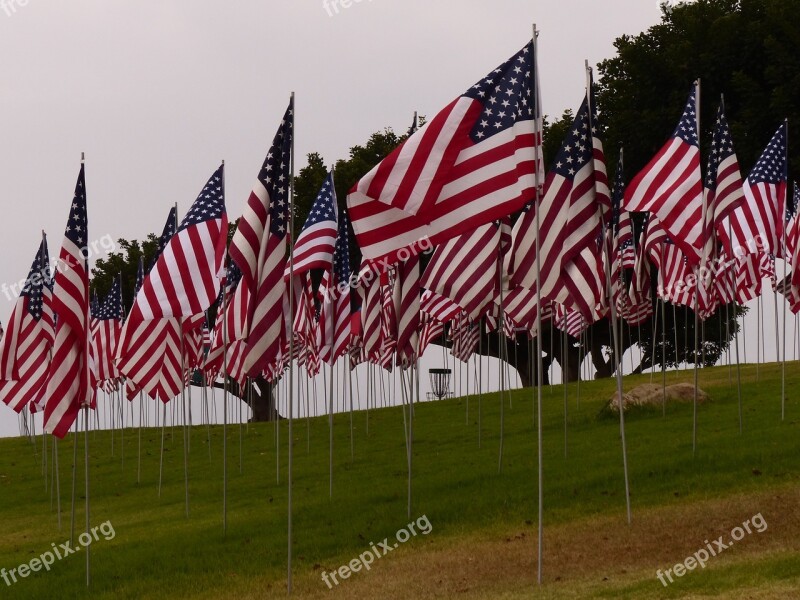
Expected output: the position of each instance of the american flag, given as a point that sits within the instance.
(640, 303)
(794, 295)
(108, 318)
(26, 346)
(575, 194)
(334, 322)
(748, 277)
(723, 178)
(757, 224)
(185, 278)
(438, 307)
(621, 223)
(464, 335)
(146, 341)
(473, 163)
(316, 243)
(388, 320)
(68, 385)
(259, 249)
(671, 185)
(570, 321)
(431, 331)
(465, 269)
(371, 316)
(406, 297)
(170, 228)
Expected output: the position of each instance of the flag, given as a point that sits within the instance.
(25, 348)
(465, 269)
(438, 307)
(185, 278)
(758, 224)
(259, 249)
(406, 298)
(68, 385)
(471, 164)
(671, 185)
(108, 319)
(334, 322)
(575, 198)
(317, 241)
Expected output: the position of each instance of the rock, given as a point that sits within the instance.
(650, 394)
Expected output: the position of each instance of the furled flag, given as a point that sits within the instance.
(471, 164)
(68, 385)
(105, 336)
(671, 185)
(26, 346)
(259, 249)
(757, 225)
(576, 196)
(185, 279)
(317, 241)
(334, 321)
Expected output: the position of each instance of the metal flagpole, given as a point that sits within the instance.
(615, 326)
(501, 346)
(290, 395)
(87, 402)
(696, 296)
(537, 158)
(139, 467)
(785, 261)
(330, 431)
(224, 391)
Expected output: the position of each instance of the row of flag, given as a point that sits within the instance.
(513, 247)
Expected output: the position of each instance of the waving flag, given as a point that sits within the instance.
(758, 225)
(575, 194)
(465, 269)
(26, 346)
(671, 185)
(259, 249)
(317, 241)
(471, 164)
(68, 385)
(406, 297)
(185, 278)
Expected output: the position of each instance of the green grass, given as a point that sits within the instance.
(159, 553)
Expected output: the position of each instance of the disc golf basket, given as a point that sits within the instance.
(440, 384)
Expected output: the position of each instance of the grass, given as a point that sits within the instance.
(483, 541)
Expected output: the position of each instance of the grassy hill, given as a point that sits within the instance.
(482, 541)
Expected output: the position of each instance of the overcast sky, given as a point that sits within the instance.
(158, 93)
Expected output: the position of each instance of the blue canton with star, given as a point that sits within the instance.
(111, 308)
(341, 256)
(324, 208)
(576, 151)
(721, 148)
(34, 285)
(687, 127)
(276, 174)
(771, 167)
(210, 204)
(505, 95)
(76, 230)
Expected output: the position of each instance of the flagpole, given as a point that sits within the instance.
(87, 401)
(785, 260)
(224, 388)
(696, 293)
(614, 322)
(290, 397)
(537, 158)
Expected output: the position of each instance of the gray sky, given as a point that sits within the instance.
(158, 93)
